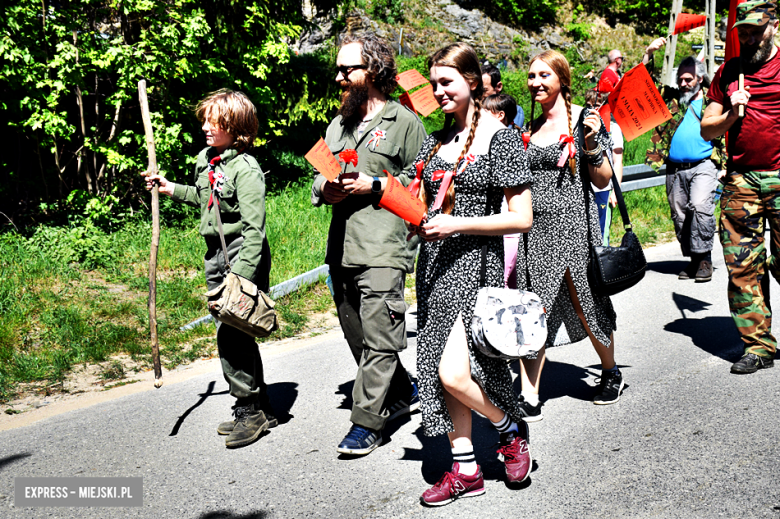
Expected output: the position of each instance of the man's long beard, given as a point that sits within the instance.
(353, 97)
(757, 53)
(687, 95)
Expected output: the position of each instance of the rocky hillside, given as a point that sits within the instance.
(429, 25)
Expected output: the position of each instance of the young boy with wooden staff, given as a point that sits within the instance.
(228, 180)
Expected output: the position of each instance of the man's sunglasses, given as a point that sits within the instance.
(346, 70)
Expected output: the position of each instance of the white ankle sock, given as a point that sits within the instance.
(467, 463)
(531, 398)
(505, 425)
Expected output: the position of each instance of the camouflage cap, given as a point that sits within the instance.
(757, 12)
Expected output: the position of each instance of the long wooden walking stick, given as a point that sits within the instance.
(152, 168)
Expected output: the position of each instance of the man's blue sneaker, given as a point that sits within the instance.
(360, 441)
(403, 407)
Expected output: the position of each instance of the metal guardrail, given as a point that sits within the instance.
(642, 176)
(635, 177)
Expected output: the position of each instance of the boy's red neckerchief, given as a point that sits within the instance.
(216, 179)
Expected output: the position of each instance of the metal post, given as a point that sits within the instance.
(671, 46)
(709, 38)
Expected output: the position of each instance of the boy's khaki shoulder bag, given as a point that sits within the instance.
(239, 303)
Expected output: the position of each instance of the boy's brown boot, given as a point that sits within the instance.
(249, 425)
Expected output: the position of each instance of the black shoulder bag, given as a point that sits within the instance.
(610, 269)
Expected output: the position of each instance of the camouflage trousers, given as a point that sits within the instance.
(750, 200)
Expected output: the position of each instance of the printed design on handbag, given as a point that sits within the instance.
(508, 323)
(376, 136)
(244, 303)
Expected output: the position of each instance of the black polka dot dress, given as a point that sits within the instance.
(558, 240)
(448, 275)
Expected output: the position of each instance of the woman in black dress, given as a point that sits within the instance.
(558, 242)
(466, 167)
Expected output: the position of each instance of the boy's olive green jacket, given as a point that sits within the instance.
(241, 205)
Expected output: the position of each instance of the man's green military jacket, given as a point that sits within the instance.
(361, 233)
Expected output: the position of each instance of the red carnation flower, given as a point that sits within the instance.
(349, 157)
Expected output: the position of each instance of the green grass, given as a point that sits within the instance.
(55, 313)
(647, 208)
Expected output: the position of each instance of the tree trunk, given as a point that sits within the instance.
(80, 102)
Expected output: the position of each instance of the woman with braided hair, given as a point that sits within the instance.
(558, 242)
(465, 169)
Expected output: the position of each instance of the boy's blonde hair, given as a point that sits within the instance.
(233, 112)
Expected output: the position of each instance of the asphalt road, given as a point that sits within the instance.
(687, 439)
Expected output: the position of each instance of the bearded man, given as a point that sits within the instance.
(751, 194)
(691, 172)
(368, 253)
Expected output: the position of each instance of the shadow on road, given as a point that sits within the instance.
(14, 457)
(715, 335)
(283, 395)
(560, 379)
(345, 390)
(667, 267)
(203, 396)
(227, 514)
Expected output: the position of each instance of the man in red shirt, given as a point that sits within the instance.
(752, 186)
(611, 74)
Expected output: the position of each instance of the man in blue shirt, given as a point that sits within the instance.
(691, 175)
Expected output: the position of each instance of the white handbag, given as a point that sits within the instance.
(507, 323)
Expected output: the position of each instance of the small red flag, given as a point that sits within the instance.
(685, 22)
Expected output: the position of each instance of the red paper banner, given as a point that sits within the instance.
(636, 103)
(423, 100)
(410, 79)
(401, 202)
(404, 100)
(323, 160)
(685, 22)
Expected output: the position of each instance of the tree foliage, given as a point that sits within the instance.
(70, 70)
(519, 13)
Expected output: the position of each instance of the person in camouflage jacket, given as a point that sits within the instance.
(692, 166)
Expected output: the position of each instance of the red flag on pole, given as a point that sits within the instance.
(732, 39)
(686, 22)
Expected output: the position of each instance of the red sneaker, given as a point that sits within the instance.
(453, 485)
(516, 457)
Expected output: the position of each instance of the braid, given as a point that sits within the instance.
(447, 123)
(567, 98)
(449, 199)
